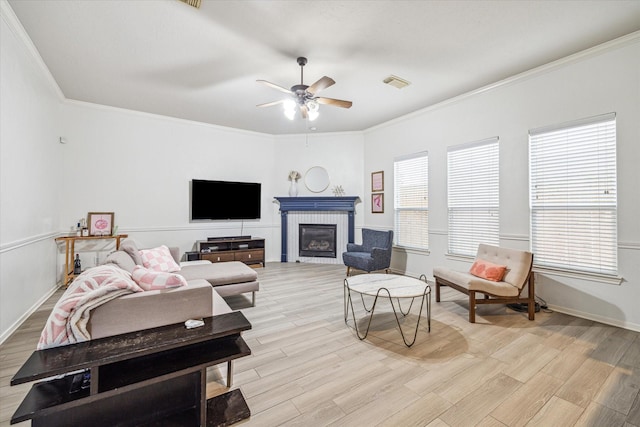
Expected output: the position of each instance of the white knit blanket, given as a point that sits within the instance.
(67, 323)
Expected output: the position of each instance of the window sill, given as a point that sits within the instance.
(592, 277)
(459, 257)
(410, 250)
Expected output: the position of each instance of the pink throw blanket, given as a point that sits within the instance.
(67, 323)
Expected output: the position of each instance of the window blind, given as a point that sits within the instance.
(573, 195)
(473, 196)
(411, 202)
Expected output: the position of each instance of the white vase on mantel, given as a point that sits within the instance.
(293, 188)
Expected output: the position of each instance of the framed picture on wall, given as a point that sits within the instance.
(377, 181)
(377, 203)
(100, 223)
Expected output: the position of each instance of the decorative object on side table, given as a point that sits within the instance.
(338, 191)
(294, 176)
(100, 223)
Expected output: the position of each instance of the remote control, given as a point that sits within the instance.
(193, 323)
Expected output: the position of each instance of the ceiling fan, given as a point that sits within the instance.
(304, 97)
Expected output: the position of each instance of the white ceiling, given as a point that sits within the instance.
(165, 57)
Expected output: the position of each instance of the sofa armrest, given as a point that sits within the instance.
(175, 253)
(150, 309)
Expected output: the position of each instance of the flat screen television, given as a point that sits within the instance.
(222, 200)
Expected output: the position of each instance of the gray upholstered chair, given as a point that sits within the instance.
(373, 254)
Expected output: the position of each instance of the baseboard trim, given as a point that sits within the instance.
(14, 327)
(594, 317)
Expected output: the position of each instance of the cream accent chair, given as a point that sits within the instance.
(508, 291)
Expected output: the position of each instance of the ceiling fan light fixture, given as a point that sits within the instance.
(303, 97)
(313, 108)
(290, 114)
(313, 105)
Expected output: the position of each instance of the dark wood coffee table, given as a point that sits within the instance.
(151, 377)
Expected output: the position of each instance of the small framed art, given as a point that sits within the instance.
(377, 203)
(100, 223)
(377, 181)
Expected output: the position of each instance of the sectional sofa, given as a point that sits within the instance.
(121, 296)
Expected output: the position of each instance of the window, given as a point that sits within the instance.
(573, 195)
(473, 196)
(411, 203)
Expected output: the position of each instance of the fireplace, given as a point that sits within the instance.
(315, 210)
(317, 240)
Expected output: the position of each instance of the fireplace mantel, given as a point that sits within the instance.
(315, 203)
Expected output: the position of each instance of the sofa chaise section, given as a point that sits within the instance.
(150, 309)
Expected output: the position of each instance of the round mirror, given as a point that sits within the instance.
(316, 179)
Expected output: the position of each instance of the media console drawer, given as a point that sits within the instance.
(218, 256)
(223, 249)
(250, 256)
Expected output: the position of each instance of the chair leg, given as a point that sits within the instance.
(348, 270)
(472, 307)
(437, 290)
(532, 298)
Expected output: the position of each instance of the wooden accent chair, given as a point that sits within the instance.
(518, 273)
(373, 254)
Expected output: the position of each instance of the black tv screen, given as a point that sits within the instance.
(218, 200)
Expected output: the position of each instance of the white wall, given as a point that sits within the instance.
(600, 81)
(139, 166)
(341, 154)
(30, 172)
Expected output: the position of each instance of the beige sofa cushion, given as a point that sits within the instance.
(150, 309)
(122, 260)
(518, 262)
(223, 273)
(474, 283)
(130, 247)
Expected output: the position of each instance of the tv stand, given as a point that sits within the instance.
(236, 248)
(217, 239)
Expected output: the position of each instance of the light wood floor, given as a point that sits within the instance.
(308, 368)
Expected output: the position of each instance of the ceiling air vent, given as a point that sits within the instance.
(396, 82)
(194, 3)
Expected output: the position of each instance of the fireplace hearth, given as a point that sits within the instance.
(317, 240)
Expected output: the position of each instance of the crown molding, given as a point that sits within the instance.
(534, 72)
(14, 24)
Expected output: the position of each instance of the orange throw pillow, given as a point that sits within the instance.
(488, 270)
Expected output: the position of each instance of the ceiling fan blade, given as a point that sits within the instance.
(335, 102)
(274, 86)
(323, 83)
(303, 111)
(269, 104)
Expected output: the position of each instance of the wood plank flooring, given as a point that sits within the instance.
(308, 368)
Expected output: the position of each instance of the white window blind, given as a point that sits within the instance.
(573, 195)
(411, 203)
(473, 196)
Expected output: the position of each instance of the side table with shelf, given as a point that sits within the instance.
(70, 249)
(151, 377)
(245, 249)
